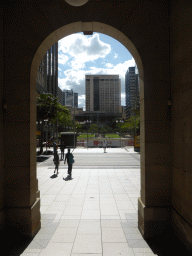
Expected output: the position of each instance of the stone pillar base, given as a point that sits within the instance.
(26, 220)
(183, 229)
(152, 221)
(2, 220)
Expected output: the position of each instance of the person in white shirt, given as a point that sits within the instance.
(104, 146)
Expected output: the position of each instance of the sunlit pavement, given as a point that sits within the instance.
(93, 213)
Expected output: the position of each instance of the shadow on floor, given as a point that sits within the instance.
(41, 158)
(167, 244)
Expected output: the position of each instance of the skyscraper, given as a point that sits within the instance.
(70, 98)
(47, 75)
(131, 91)
(103, 93)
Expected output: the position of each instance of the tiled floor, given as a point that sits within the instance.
(94, 213)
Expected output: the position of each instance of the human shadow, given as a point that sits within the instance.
(67, 178)
(54, 176)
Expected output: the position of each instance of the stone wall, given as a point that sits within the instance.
(181, 70)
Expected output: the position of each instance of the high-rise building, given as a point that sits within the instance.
(60, 95)
(47, 75)
(131, 91)
(70, 98)
(52, 69)
(103, 93)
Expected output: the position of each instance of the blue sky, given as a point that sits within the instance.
(81, 55)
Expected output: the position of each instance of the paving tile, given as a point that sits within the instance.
(86, 254)
(73, 210)
(131, 230)
(119, 197)
(31, 252)
(75, 201)
(110, 223)
(64, 235)
(110, 217)
(113, 235)
(91, 204)
(43, 236)
(90, 214)
(143, 252)
(57, 249)
(87, 244)
(129, 224)
(137, 243)
(70, 217)
(50, 229)
(89, 227)
(114, 249)
(68, 223)
(62, 198)
(133, 236)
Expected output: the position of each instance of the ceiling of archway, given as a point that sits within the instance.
(77, 2)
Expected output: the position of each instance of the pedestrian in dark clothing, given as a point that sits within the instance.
(70, 161)
(62, 151)
(56, 162)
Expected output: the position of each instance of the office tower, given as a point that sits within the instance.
(60, 95)
(70, 98)
(41, 78)
(103, 93)
(47, 74)
(52, 69)
(131, 91)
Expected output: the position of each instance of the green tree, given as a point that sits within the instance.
(93, 128)
(48, 108)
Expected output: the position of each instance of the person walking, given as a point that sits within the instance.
(56, 162)
(69, 157)
(104, 146)
(62, 147)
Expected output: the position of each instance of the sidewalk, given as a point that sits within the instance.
(94, 213)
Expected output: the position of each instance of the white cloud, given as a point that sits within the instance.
(63, 58)
(109, 65)
(80, 55)
(81, 50)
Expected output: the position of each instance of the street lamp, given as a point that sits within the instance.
(87, 122)
(46, 128)
(120, 121)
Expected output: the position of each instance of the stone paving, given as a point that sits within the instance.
(93, 213)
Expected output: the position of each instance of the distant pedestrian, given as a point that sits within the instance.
(62, 150)
(56, 162)
(104, 146)
(54, 148)
(69, 156)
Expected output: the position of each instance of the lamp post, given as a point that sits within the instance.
(120, 121)
(46, 128)
(87, 122)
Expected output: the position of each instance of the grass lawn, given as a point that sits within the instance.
(113, 135)
(84, 136)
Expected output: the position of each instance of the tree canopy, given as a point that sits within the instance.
(49, 108)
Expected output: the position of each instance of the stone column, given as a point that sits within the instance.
(154, 205)
(20, 186)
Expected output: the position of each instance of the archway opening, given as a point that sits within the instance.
(96, 27)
